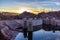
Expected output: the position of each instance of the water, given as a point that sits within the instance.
(41, 35)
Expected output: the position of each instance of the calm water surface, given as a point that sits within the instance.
(41, 35)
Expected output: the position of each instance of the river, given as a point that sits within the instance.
(41, 35)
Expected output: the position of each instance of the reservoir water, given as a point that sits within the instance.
(41, 35)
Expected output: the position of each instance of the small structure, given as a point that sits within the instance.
(25, 28)
(28, 28)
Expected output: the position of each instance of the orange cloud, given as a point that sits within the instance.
(35, 11)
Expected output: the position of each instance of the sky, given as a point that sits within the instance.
(34, 4)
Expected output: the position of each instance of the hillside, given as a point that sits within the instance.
(55, 14)
(7, 15)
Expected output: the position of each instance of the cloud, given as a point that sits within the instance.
(43, 4)
(31, 3)
(57, 3)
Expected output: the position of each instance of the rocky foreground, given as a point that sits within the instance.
(9, 32)
(6, 33)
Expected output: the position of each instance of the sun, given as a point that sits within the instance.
(22, 10)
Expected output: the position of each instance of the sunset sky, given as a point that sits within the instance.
(35, 5)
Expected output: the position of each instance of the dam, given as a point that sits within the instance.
(31, 25)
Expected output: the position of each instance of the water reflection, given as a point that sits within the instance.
(41, 35)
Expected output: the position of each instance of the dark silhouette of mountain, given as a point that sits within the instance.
(55, 14)
(27, 15)
(8, 15)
